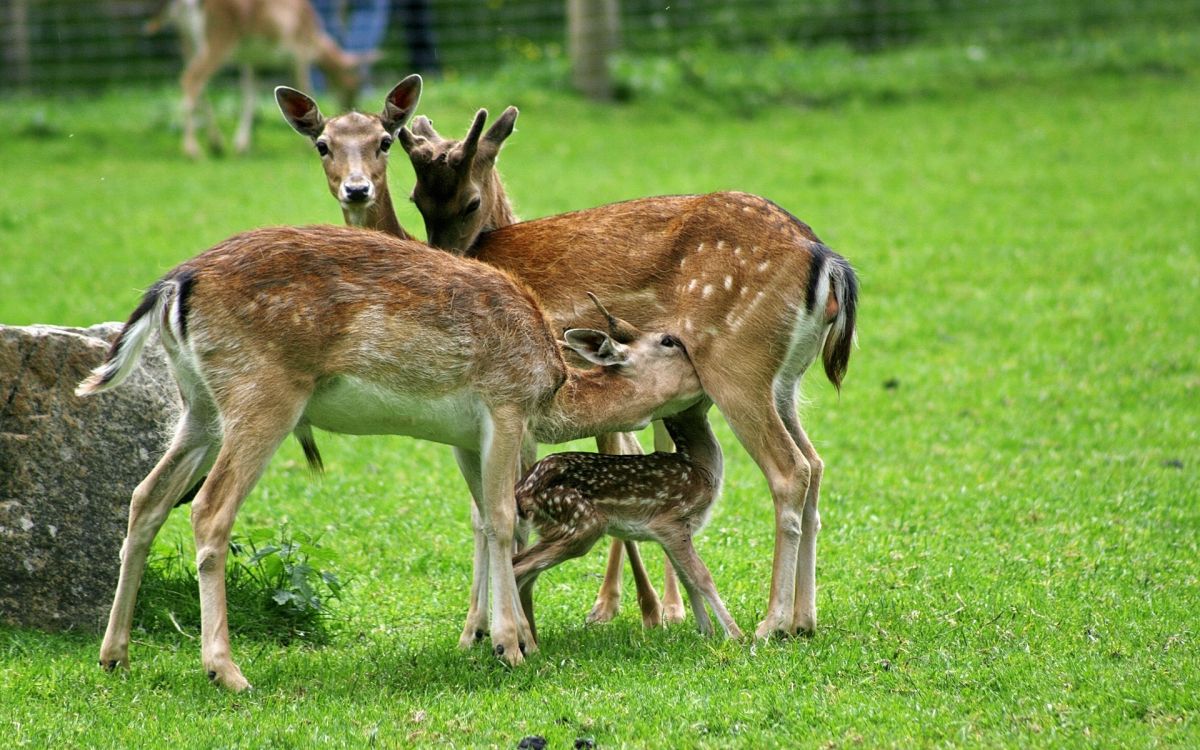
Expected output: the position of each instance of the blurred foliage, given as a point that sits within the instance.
(75, 43)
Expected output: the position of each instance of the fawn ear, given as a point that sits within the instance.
(401, 103)
(500, 130)
(596, 347)
(300, 111)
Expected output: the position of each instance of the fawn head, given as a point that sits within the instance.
(354, 146)
(457, 189)
(658, 362)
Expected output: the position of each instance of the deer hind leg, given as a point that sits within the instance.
(608, 599)
(761, 430)
(672, 603)
(249, 441)
(200, 68)
(546, 554)
(501, 462)
(187, 459)
(805, 608)
(245, 130)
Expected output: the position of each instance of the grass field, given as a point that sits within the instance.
(1011, 544)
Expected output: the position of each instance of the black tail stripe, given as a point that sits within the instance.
(186, 279)
(820, 254)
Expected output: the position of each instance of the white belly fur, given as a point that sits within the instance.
(356, 407)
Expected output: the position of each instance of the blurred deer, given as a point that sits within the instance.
(572, 499)
(281, 330)
(257, 30)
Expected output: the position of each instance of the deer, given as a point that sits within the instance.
(213, 30)
(281, 330)
(753, 293)
(572, 499)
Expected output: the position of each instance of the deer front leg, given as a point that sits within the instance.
(760, 429)
(199, 70)
(648, 603)
(673, 612)
(700, 587)
(501, 460)
(476, 627)
(187, 459)
(245, 130)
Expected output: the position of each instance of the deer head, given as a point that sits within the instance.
(354, 147)
(458, 191)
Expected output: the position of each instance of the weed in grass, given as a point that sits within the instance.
(280, 586)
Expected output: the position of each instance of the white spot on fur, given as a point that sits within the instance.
(763, 266)
(728, 283)
(691, 287)
(707, 291)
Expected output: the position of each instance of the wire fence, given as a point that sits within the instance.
(53, 45)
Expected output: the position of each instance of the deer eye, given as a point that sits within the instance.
(323, 148)
(472, 207)
(385, 144)
(670, 341)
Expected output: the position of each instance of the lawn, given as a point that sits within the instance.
(1011, 543)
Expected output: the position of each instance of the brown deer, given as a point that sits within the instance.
(353, 148)
(280, 330)
(572, 499)
(755, 294)
(214, 30)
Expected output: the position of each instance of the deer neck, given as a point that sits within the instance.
(501, 214)
(593, 402)
(694, 438)
(380, 216)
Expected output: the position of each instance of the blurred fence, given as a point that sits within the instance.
(51, 45)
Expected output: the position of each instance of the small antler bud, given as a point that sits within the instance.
(622, 331)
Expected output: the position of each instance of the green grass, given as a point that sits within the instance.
(1012, 529)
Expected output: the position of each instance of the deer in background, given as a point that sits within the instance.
(213, 30)
(280, 330)
(572, 499)
(755, 295)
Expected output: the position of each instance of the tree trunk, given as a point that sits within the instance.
(592, 29)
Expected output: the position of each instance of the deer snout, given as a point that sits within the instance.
(357, 190)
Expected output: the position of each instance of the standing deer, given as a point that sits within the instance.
(280, 330)
(213, 30)
(572, 499)
(755, 294)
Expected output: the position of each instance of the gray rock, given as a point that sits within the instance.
(67, 469)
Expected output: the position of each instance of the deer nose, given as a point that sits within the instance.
(357, 193)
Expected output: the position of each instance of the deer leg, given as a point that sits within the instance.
(187, 459)
(247, 447)
(648, 603)
(476, 627)
(608, 599)
(672, 602)
(760, 429)
(700, 587)
(207, 60)
(546, 554)
(501, 461)
(241, 140)
(805, 608)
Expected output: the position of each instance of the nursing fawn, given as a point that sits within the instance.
(573, 499)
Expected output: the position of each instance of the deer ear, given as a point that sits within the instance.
(502, 128)
(401, 103)
(596, 347)
(300, 111)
